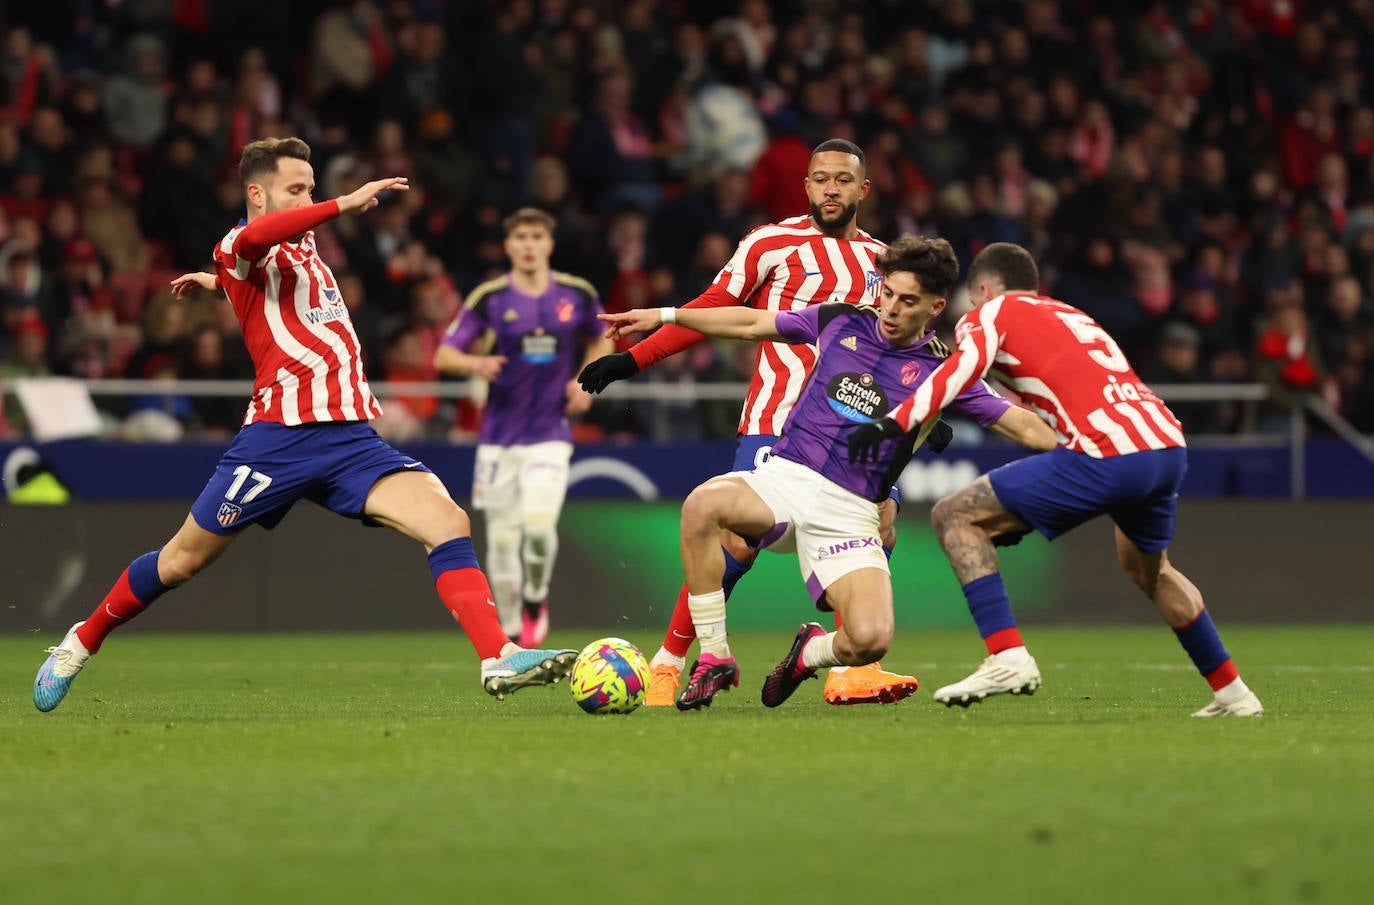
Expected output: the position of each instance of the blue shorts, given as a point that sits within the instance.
(1058, 490)
(753, 450)
(270, 466)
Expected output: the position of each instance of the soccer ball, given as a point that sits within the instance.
(609, 676)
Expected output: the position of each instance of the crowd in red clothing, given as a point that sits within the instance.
(1198, 175)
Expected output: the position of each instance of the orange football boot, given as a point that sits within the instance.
(662, 686)
(870, 684)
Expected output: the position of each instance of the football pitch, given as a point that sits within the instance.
(372, 768)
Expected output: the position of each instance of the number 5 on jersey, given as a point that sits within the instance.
(1087, 332)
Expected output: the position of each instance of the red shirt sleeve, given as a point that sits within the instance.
(672, 339)
(734, 285)
(257, 237)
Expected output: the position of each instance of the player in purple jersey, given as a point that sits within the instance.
(807, 496)
(540, 319)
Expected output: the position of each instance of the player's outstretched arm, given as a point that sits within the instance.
(450, 361)
(182, 284)
(1027, 428)
(732, 323)
(364, 197)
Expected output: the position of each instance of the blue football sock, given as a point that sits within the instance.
(987, 601)
(1203, 644)
(734, 571)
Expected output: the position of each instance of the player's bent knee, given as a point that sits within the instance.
(700, 511)
(540, 522)
(504, 538)
(945, 511)
(869, 640)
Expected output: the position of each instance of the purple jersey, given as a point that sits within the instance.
(856, 378)
(540, 336)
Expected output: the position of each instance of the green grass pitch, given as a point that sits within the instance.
(372, 769)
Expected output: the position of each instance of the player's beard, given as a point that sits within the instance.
(837, 223)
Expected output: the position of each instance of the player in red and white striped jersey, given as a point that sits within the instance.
(1121, 454)
(783, 266)
(306, 434)
(787, 266)
(305, 354)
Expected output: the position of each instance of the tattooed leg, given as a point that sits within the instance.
(966, 522)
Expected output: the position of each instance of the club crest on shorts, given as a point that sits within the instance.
(228, 514)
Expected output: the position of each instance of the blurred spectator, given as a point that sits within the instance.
(776, 178)
(349, 48)
(164, 331)
(1097, 282)
(610, 153)
(27, 76)
(112, 225)
(177, 206)
(424, 76)
(26, 356)
(135, 101)
(1288, 362)
(205, 359)
(404, 418)
(1179, 361)
(1203, 163)
(723, 128)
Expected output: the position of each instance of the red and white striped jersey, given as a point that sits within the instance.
(306, 356)
(783, 266)
(1064, 365)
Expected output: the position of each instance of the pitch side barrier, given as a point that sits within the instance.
(1285, 464)
(1218, 468)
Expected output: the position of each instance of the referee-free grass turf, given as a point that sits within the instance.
(372, 768)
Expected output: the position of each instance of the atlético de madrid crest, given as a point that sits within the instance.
(228, 514)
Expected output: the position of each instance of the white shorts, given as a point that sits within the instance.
(834, 531)
(519, 480)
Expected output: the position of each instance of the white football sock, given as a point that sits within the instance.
(708, 615)
(666, 657)
(820, 652)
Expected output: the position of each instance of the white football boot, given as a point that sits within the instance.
(999, 674)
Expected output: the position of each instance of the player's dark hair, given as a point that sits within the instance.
(841, 145)
(1011, 264)
(260, 157)
(527, 216)
(931, 261)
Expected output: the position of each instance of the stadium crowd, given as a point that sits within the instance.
(1198, 175)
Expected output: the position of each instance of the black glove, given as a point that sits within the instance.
(865, 440)
(938, 440)
(606, 370)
